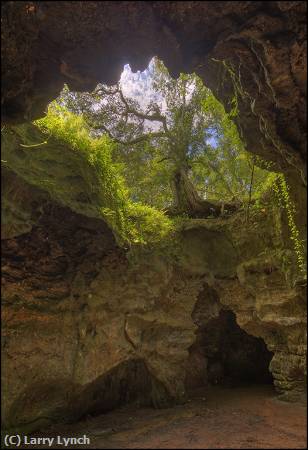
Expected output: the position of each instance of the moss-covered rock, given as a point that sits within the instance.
(80, 310)
(53, 166)
(76, 308)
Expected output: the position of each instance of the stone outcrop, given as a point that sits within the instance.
(253, 52)
(52, 170)
(267, 305)
(88, 325)
(74, 310)
(267, 296)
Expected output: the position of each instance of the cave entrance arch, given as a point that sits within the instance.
(224, 354)
(82, 43)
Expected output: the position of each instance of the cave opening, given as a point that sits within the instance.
(224, 354)
(176, 147)
(85, 332)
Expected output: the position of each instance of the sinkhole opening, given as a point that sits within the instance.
(224, 354)
(146, 151)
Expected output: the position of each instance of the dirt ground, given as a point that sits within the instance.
(243, 417)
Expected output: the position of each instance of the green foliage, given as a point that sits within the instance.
(194, 153)
(97, 153)
(239, 91)
(146, 176)
(275, 192)
(223, 172)
(131, 222)
(194, 136)
(282, 192)
(153, 158)
(263, 189)
(149, 224)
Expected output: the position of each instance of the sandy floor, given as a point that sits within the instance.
(246, 417)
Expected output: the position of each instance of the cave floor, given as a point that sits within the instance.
(242, 417)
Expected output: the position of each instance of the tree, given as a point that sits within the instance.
(179, 145)
(175, 128)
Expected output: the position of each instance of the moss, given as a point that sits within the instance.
(54, 168)
(58, 155)
(150, 224)
(103, 185)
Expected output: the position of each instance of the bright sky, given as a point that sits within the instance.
(138, 86)
(134, 84)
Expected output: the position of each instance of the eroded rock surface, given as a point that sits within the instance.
(86, 323)
(252, 51)
(89, 325)
(74, 309)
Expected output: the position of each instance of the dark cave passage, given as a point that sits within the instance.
(225, 354)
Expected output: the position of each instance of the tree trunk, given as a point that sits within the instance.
(187, 200)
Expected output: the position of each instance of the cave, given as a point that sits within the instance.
(224, 354)
(94, 323)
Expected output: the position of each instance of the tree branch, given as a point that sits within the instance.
(141, 138)
(164, 159)
(151, 117)
(222, 178)
(130, 110)
(105, 91)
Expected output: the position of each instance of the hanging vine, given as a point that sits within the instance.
(252, 164)
(281, 190)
